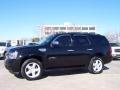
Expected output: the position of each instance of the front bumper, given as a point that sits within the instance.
(116, 56)
(12, 65)
(1, 54)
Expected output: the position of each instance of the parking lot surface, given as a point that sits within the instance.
(65, 80)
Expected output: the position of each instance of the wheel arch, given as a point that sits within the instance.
(29, 57)
(96, 55)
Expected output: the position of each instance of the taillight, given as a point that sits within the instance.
(110, 51)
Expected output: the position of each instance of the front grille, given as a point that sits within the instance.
(118, 55)
(117, 50)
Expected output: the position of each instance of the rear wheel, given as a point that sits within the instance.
(96, 65)
(31, 69)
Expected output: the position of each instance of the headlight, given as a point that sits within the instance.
(12, 55)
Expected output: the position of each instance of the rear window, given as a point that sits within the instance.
(2, 44)
(100, 40)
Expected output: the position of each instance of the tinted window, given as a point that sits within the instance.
(2, 44)
(80, 41)
(46, 40)
(100, 40)
(115, 44)
(64, 41)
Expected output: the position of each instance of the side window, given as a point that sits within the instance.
(100, 40)
(64, 41)
(80, 41)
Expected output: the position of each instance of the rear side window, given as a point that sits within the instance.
(100, 40)
(80, 41)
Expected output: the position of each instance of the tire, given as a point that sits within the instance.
(32, 69)
(18, 75)
(96, 65)
(4, 55)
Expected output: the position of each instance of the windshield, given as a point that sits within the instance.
(115, 44)
(46, 40)
(2, 44)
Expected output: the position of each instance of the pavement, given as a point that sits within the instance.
(78, 79)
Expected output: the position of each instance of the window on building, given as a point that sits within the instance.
(91, 28)
(47, 33)
(69, 28)
(84, 28)
(77, 28)
(55, 28)
(62, 28)
(47, 28)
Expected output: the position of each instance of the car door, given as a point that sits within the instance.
(82, 49)
(57, 54)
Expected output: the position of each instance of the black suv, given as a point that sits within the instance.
(63, 50)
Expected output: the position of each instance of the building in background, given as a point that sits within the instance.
(45, 30)
(20, 42)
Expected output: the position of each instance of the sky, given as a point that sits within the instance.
(19, 18)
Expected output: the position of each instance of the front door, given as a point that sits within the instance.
(58, 54)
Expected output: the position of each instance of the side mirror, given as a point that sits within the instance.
(55, 43)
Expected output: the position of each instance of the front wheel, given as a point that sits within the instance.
(31, 69)
(96, 65)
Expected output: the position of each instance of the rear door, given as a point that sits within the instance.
(82, 49)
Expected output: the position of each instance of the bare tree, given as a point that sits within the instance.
(113, 37)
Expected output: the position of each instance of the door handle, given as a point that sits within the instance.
(70, 50)
(89, 49)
